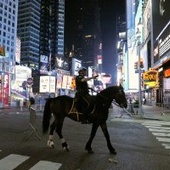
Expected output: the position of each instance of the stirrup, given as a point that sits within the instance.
(75, 110)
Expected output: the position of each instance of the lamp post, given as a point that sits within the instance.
(49, 68)
(49, 42)
(140, 110)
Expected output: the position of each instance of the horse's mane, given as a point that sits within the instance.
(109, 91)
(106, 96)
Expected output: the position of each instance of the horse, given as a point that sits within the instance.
(63, 106)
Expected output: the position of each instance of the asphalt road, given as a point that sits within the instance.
(137, 148)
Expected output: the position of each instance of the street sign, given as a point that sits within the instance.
(30, 81)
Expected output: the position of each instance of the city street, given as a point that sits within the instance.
(140, 144)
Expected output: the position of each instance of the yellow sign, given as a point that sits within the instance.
(151, 78)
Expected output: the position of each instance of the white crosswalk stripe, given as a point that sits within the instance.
(161, 130)
(44, 165)
(13, 160)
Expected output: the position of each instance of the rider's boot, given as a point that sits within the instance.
(85, 119)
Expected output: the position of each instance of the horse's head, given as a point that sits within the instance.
(115, 93)
(120, 97)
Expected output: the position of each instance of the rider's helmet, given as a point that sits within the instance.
(81, 69)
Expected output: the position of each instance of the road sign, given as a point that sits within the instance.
(30, 81)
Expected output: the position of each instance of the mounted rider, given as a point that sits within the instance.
(82, 94)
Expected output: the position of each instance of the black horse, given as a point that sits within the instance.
(63, 106)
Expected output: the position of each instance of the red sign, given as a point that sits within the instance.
(167, 73)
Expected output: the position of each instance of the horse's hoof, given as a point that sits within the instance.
(50, 144)
(66, 149)
(114, 160)
(89, 151)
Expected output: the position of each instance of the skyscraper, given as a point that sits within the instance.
(8, 27)
(83, 30)
(8, 36)
(28, 31)
(51, 32)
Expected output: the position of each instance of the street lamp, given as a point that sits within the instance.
(49, 73)
(138, 36)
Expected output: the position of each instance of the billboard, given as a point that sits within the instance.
(160, 15)
(47, 84)
(151, 78)
(44, 64)
(18, 51)
(76, 64)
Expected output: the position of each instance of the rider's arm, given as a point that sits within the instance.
(88, 78)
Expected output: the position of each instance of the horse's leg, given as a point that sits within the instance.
(88, 147)
(50, 142)
(59, 126)
(106, 134)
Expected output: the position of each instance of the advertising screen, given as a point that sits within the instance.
(160, 13)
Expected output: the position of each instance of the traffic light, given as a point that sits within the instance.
(141, 64)
(136, 65)
(2, 50)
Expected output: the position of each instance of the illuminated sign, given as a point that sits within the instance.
(150, 78)
(167, 73)
(47, 84)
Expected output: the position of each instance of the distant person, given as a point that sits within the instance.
(82, 94)
(144, 100)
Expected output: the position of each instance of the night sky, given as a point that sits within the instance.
(110, 9)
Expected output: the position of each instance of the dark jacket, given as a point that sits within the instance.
(81, 87)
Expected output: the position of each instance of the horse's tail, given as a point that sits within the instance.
(46, 116)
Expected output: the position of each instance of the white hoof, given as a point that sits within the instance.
(113, 159)
(50, 144)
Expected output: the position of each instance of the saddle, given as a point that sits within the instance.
(88, 105)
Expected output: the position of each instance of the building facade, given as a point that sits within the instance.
(8, 37)
(28, 31)
(8, 27)
(52, 20)
(152, 56)
(85, 39)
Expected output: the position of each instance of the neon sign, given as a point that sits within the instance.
(151, 78)
(167, 73)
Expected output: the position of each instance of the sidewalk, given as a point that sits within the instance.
(14, 109)
(149, 112)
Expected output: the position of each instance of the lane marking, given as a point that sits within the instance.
(159, 130)
(46, 165)
(156, 122)
(161, 134)
(167, 146)
(12, 161)
(161, 139)
(161, 127)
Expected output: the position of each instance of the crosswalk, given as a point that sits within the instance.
(13, 160)
(161, 130)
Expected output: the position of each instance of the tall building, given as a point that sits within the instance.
(8, 38)
(52, 20)
(28, 31)
(83, 31)
(8, 27)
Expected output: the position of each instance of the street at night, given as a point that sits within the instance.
(136, 146)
